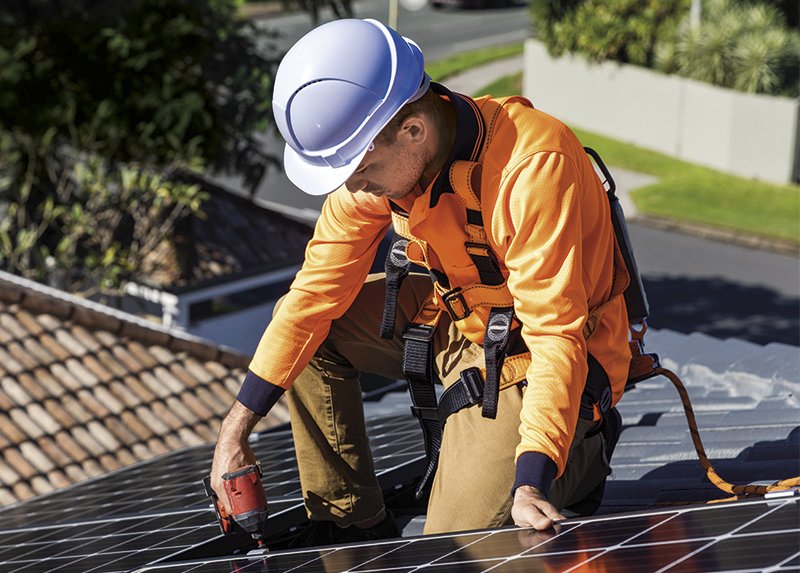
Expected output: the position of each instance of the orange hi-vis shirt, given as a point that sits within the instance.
(547, 218)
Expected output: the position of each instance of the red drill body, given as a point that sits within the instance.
(247, 501)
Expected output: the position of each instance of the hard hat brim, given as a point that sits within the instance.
(318, 179)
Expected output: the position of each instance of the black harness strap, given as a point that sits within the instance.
(494, 348)
(418, 370)
(396, 267)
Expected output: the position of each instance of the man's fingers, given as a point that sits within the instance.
(532, 509)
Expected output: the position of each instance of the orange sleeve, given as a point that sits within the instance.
(337, 261)
(540, 225)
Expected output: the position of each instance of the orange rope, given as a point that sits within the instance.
(736, 490)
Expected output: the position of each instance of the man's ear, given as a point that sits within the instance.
(414, 129)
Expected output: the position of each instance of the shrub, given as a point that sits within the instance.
(622, 30)
(737, 45)
(103, 106)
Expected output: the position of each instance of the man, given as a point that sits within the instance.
(502, 204)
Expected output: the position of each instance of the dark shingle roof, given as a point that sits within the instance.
(746, 398)
(85, 390)
(234, 238)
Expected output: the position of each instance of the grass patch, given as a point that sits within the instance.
(464, 61)
(689, 192)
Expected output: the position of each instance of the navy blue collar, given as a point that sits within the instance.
(470, 133)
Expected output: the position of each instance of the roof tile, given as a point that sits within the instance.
(87, 339)
(200, 410)
(100, 371)
(127, 360)
(43, 419)
(75, 473)
(121, 432)
(14, 391)
(135, 425)
(125, 457)
(142, 452)
(22, 490)
(198, 371)
(109, 462)
(9, 323)
(123, 392)
(81, 373)
(87, 441)
(70, 447)
(107, 399)
(54, 347)
(28, 322)
(141, 354)
(66, 377)
(39, 354)
(36, 457)
(57, 411)
(48, 382)
(180, 410)
(169, 381)
(157, 425)
(10, 430)
(69, 343)
(25, 424)
(54, 452)
(75, 409)
(7, 473)
(31, 386)
(181, 374)
(91, 403)
(6, 495)
(21, 355)
(188, 436)
(8, 364)
(167, 415)
(111, 364)
(157, 446)
(91, 468)
(19, 463)
(58, 479)
(102, 435)
(154, 385)
(41, 485)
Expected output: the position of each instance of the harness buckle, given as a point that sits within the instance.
(456, 304)
(472, 381)
(419, 332)
(425, 413)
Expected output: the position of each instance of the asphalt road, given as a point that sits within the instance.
(439, 33)
(693, 284)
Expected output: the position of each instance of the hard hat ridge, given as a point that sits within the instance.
(335, 90)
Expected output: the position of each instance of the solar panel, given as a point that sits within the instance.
(741, 536)
(172, 481)
(157, 509)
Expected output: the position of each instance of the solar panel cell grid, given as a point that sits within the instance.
(172, 482)
(744, 536)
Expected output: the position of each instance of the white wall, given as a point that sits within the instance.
(750, 135)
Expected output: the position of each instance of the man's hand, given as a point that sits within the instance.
(233, 450)
(531, 509)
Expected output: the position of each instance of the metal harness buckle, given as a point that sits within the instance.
(419, 332)
(456, 304)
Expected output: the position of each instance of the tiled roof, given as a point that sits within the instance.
(85, 389)
(234, 238)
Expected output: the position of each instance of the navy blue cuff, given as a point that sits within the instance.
(535, 469)
(258, 395)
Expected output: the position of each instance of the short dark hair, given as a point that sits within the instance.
(428, 105)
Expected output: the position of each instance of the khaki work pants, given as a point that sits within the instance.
(473, 482)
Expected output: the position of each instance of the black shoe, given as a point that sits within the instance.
(328, 533)
(611, 428)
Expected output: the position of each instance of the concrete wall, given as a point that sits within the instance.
(749, 135)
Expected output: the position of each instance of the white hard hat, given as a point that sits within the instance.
(335, 89)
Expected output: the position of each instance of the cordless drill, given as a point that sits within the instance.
(247, 501)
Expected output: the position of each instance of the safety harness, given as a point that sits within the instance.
(478, 301)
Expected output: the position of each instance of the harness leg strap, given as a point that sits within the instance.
(418, 370)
